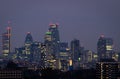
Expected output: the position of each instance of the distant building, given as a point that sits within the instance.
(6, 42)
(51, 42)
(119, 56)
(64, 56)
(43, 60)
(88, 56)
(30, 52)
(27, 45)
(54, 32)
(11, 74)
(36, 52)
(50, 55)
(55, 38)
(104, 48)
(87, 60)
(75, 52)
(107, 69)
(75, 49)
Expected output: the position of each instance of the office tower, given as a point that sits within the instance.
(50, 55)
(48, 43)
(36, 52)
(87, 59)
(115, 56)
(75, 49)
(48, 37)
(52, 45)
(28, 39)
(107, 69)
(55, 33)
(55, 38)
(28, 43)
(95, 57)
(34, 55)
(64, 56)
(63, 45)
(88, 56)
(104, 48)
(75, 53)
(25, 53)
(43, 60)
(119, 56)
(6, 42)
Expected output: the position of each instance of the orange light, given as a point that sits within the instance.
(70, 62)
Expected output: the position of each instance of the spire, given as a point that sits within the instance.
(28, 39)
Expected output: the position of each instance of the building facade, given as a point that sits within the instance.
(6, 42)
(64, 56)
(75, 53)
(51, 42)
(105, 48)
(107, 69)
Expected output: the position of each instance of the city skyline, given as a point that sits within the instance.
(83, 20)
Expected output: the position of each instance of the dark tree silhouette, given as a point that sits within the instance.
(11, 65)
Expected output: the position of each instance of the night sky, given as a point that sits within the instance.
(85, 20)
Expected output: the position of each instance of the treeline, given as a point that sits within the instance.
(49, 73)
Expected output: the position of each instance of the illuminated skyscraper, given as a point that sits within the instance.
(25, 53)
(48, 37)
(64, 56)
(6, 42)
(55, 37)
(48, 42)
(87, 60)
(107, 69)
(28, 43)
(28, 39)
(43, 60)
(52, 45)
(75, 49)
(55, 33)
(105, 48)
(50, 55)
(35, 51)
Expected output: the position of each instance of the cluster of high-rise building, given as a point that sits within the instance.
(59, 55)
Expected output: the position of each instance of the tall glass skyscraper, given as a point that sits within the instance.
(30, 52)
(75, 49)
(28, 43)
(55, 33)
(107, 69)
(28, 39)
(52, 45)
(105, 48)
(55, 38)
(25, 52)
(75, 52)
(6, 42)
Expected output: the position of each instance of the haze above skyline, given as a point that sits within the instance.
(85, 20)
